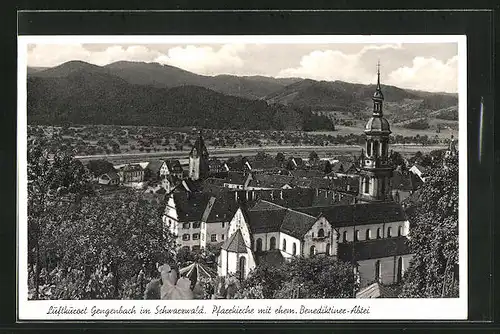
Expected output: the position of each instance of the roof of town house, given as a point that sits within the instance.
(173, 165)
(224, 208)
(263, 164)
(236, 165)
(112, 175)
(377, 290)
(265, 221)
(373, 249)
(155, 166)
(273, 258)
(400, 181)
(190, 206)
(131, 168)
(296, 223)
(235, 243)
(265, 205)
(236, 178)
(358, 214)
(270, 181)
(306, 173)
(421, 168)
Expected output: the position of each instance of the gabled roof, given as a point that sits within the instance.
(265, 221)
(112, 175)
(296, 224)
(236, 178)
(373, 249)
(155, 166)
(131, 168)
(358, 214)
(190, 206)
(224, 208)
(262, 205)
(310, 173)
(173, 165)
(235, 243)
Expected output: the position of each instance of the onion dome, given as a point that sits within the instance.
(377, 124)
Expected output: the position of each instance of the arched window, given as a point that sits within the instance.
(389, 232)
(259, 245)
(242, 267)
(284, 245)
(400, 231)
(356, 235)
(368, 147)
(367, 185)
(294, 249)
(328, 249)
(382, 187)
(377, 271)
(379, 233)
(375, 148)
(272, 243)
(368, 235)
(400, 270)
(344, 236)
(312, 251)
(321, 233)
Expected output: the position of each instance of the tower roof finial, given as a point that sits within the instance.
(378, 96)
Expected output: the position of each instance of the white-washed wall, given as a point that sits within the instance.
(373, 229)
(388, 269)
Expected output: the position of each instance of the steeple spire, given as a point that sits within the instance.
(378, 97)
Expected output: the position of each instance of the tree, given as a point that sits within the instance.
(433, 271)
(99, 167)
(280, 157)
(314, 277)
(120, 235)
(52, 178)
(313, 157)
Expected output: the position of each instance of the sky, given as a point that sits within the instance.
(422, 66)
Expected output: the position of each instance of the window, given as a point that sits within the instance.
(382, 187)
(294, 249)
(356, 235)
(258, 247)
(368, 234)
(327, 249)
(344, 236)
(223, 224)
(389, 232)
(222, 236)
(368, 147)
(196, 236)
(185, 225)
(399, 276)
(213, 238)
(400, 231)
(377, 271)
(321, 233)
(242, 267)
(367, 185)
(284, 245)
(185, 237)
(196, 247)
(375, 148)
(312, 251)
(196, 225)
(272, 243)
(379, 233)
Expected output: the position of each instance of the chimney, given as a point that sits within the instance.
(236, 196)
(272, 195)
(281, 194)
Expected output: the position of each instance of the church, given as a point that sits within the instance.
(371, 232)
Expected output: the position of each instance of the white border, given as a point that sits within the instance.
(380, 309)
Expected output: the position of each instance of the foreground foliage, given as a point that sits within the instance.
(433, 271)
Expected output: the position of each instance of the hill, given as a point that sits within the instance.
(83, 94)
(340, 97)
(164, 76)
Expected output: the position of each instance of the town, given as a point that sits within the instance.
(230, 217)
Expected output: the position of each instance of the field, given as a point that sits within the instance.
(130, 143)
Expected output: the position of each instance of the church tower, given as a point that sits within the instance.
(198, 160)
(376, 170)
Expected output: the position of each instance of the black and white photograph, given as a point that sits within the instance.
(242, 177)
